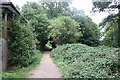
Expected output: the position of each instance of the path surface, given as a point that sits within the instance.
(46, 68)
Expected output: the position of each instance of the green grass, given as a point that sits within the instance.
(82, 61)
(22, 72)
(48, 47)
(13, 75)
(27, 69)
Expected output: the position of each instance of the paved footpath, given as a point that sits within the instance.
(46, 68)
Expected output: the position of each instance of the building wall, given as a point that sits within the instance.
(0, 54)
(4, 40)
(4, 54)
(4, 49)
(8, 11)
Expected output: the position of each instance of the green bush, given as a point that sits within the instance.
(37, 17)
(21, 45)
(22, 72)
(82, 61)
(64, 30)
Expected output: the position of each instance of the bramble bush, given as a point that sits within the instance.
(22, 44)
(82, 61)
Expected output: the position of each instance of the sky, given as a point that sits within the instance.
(85, 5)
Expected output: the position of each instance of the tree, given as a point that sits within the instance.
(74, 12)
(90, 31)
(55, 9)
(64, 30)
(110, 33)
(22, 44)
(37, 17)
(105, 6)
(109, 6)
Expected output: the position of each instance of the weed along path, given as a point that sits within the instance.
(46, 68)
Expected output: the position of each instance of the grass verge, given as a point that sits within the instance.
(22, 72)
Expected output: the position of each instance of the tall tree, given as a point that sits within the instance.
(55, 9)
(109, 6)
(37, 17)
(110, 33)
(64, 30)
(105, 6)
(90, 31)
(74, 12)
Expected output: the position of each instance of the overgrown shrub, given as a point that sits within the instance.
(37, 17)
(82, 61)
(21, 44)
(22, 72)
(64, 30)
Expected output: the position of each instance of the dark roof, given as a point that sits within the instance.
(11, 8)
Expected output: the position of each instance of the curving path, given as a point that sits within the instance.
(46, 68)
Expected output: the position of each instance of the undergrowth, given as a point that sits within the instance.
(82, 61)
(16, 72)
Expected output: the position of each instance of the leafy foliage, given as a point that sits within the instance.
(111, 7)
(22, 44)
(74, 12)
(55, 9)
(31, 9)
(111, 34)
(37, 17)
(82, 61)
(64, 30)
(21, 72)
(105, 6)
(90, 30)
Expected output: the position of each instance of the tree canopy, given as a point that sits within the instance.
(37, 17)
(110, 20)
(64, 30)
(110, 32)
(55, 9)
(36, 14)
(105, 6)
(90, 30)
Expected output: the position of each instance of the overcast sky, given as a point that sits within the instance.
(85, 5)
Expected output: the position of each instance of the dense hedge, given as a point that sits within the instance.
(21, 72)
(21, 44)
(81, 61)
